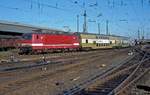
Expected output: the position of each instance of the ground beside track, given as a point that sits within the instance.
(24, 60)
(47, 85)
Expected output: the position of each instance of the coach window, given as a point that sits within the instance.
(86, 40)
(97, 45)
(110, 42)
(94, 42)
(115, 42)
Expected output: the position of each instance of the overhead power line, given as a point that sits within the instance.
(45, 5)
(13, 8)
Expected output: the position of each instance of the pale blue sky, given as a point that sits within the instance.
(125, 16)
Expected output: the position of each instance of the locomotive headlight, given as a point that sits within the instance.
(76, 44)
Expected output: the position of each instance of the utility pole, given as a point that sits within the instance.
(99, 31)
(143, 34)
(107, 31)
(138, 34)
(85, 23)
(77, 23)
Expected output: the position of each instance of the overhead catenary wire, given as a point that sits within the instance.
(13, 8)
(46, 5)
(143, 22)
(23, 10)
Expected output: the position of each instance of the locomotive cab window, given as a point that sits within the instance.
(27, 36)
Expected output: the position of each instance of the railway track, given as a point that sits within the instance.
(139, 72)
(114, 80)
(81, 88)
(29, 58)
(53, 58)
(20, 82)
(60, 60)
(107, 86)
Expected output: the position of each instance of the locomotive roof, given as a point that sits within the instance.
(56, 32)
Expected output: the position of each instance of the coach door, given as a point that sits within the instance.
(36, 41)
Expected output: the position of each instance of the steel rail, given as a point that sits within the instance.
(41, 63)
(132, 82)
(129, 78)
(83, 85)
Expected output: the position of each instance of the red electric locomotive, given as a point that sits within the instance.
(46, 42)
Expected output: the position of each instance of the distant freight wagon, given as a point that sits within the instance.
(64, 41)
(8, 42)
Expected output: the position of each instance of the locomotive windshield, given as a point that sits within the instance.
(27, 36)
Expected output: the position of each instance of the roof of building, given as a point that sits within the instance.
(21, 28)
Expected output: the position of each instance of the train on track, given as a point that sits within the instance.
(64, 41)
(8, 42)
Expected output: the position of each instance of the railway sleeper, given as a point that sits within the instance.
(108, 86)
(96, 93)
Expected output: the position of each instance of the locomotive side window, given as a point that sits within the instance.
(94, 42)
(27, 36)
